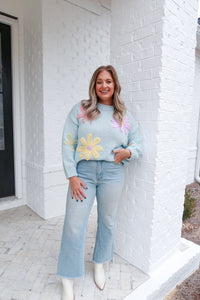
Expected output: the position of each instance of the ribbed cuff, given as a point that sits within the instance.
(132, 153)
(71, 173)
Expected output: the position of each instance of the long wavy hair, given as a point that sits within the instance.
(90, 106)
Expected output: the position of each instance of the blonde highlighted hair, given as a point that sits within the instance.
(90, 106)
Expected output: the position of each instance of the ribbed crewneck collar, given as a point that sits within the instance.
(105, 107)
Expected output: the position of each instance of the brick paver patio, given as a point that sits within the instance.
(29, 248)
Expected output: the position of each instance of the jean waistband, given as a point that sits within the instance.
(98, 169)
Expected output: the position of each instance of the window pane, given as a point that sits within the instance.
(2, 142)
(1, 87)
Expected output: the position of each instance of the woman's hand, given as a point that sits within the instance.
(121, 154)
(76, 185)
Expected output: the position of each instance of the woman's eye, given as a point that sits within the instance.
(107, 82)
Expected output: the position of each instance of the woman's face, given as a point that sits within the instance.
(105, 87)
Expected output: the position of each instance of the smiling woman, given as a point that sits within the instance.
(99, 137)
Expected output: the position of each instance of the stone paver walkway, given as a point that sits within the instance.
(29, 248)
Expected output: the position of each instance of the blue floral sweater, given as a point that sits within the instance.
(95, 140)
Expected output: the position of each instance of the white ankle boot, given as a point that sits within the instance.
(68, 289)
(99, 276)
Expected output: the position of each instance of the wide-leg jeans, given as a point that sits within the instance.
(105, 181)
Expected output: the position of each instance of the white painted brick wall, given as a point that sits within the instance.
(194, 121)
(157, 88)
(178, 61)
(34, 112)
(12, 7)
(79, 41)
(64, 44)
(136, 210)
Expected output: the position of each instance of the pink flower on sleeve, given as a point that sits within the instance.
(125, 124)
(82, 115)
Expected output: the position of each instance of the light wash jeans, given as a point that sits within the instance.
(105, 180)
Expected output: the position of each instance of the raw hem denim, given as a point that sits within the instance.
(102, 262)
(105, 181)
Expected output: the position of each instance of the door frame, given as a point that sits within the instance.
(18, 105)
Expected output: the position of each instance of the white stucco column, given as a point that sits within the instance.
(152, 48)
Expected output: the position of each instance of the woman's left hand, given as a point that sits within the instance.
(121, 154)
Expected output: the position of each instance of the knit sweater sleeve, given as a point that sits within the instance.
(69, 142)
(134, 140)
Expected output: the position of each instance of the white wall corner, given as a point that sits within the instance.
(170, 273)
(106, 3)
(93, 6)
(198, 37)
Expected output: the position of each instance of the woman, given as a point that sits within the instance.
(99, 137)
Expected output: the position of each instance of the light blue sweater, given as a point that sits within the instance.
(95, 140)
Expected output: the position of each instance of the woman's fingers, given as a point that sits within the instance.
(76, 185)
(79, 194)
(118, 158)
(82, 184)
(118, 161)
(82, 193)
(120, 155)
(76, 195)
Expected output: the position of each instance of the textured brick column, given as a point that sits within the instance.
(152, 47)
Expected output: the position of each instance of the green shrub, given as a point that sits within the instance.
(189, 205)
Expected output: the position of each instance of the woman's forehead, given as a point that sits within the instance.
(104, 74)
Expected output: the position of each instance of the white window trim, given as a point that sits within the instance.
(18, 107)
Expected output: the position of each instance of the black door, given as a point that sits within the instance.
(7, 185)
